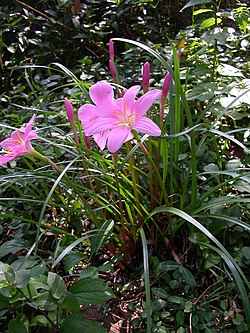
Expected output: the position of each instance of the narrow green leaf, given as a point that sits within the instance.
(194, 3)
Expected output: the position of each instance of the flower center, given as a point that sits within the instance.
(19, 140)
(126, 120)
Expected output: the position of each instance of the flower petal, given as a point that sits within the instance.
(117, 137)
(29, 125)
(31, 135)
(101, 139)
(128, 99)
(147, 126)
(6, 158)
(108, 110)
(101, 92)
(85, 111)
(100, 125)
(142, 105)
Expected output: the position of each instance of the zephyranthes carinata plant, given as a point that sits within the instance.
(130, 169)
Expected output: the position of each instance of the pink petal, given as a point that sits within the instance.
(111, 49)
(128, 99)
(6, 158)
(166, 84)
(145, 75)
(29, 125)
(145, 102)
(31, 135)
(117, 137)
(147, 126)
(101, 92)
(101, 139)
(69, 110)
(85, 112)
(100, 125)
(108, 110)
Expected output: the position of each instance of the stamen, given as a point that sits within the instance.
(20, 140)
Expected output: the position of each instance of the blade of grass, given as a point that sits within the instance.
(146, 280)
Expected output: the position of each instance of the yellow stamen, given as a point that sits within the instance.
(20, 140)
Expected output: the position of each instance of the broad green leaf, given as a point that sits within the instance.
(91, 291)
(13, 246)
(70, 303)
(4, 302)
(209, 22)
(17, 326)
(176, 299)
(159, 292)
(56, 284)
(91, 272)
(242, 186)
(22, 278)
(246, 252)
(76, 323)
(72, 259)
(7, 275)
(187, 275)
(40, 282)
(40, 320)
(46, 302)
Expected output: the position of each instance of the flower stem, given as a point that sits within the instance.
(47, 159)
(123, 231)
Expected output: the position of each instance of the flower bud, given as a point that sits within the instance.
(145, 76)
(112, 69)
(111, 50)
(69, 111)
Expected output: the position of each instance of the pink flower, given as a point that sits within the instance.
(19, 143)
(112, 121)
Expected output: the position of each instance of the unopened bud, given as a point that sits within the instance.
(145, 76)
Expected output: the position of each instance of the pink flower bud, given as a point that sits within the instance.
(145, 76)
(71, 117)
(69, 111)
(112, 69)
(179, 56)
(111, 50)
(166, 84)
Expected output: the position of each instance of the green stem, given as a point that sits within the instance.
(150, 160)
(123, 231)
(47, 159)
(134, 181)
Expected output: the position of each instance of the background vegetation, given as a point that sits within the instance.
(154, 242)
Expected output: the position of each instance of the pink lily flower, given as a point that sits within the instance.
(19, 143)
(112, 121)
